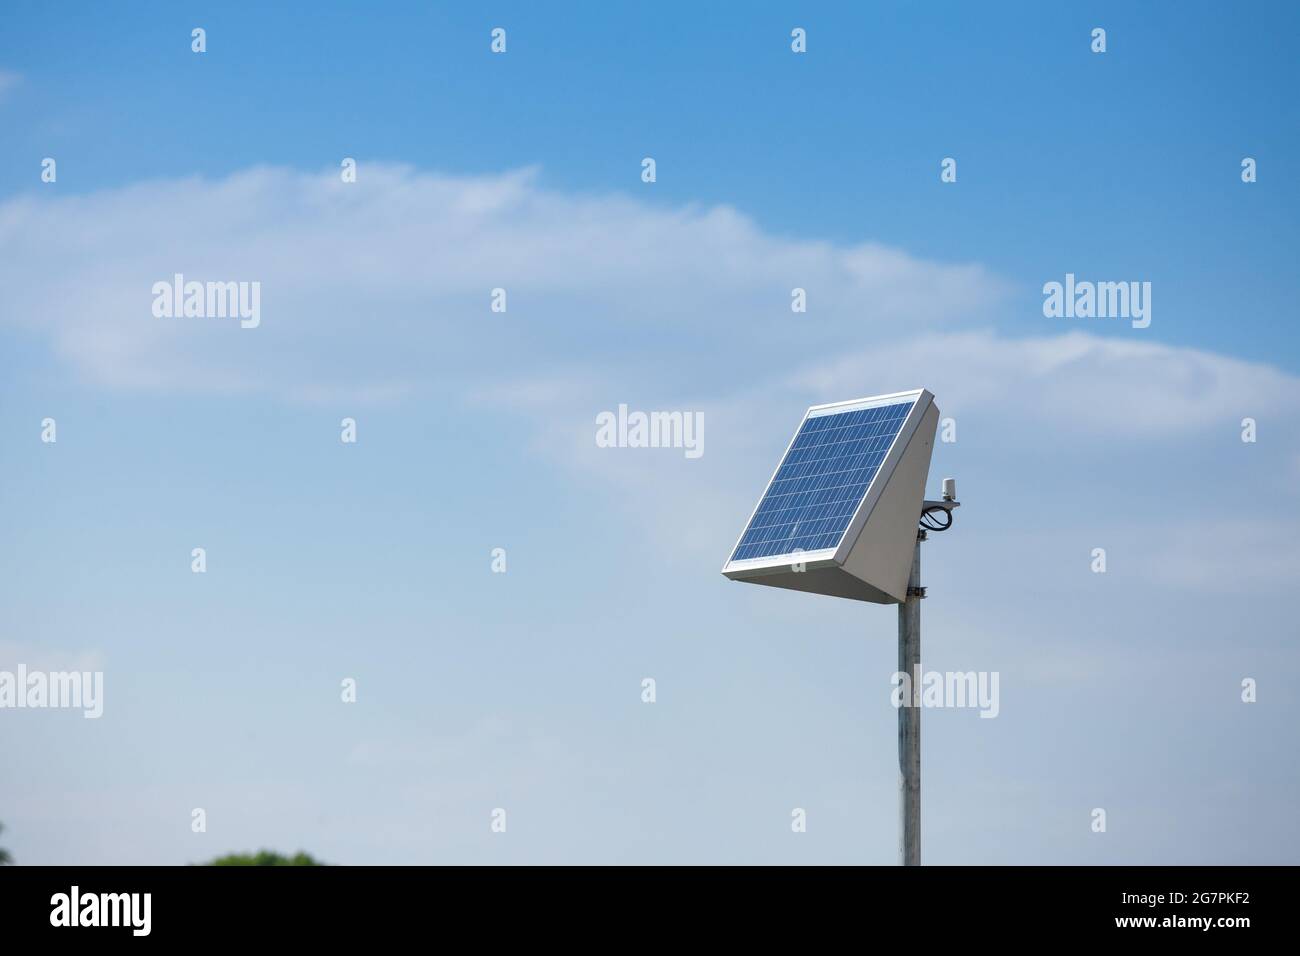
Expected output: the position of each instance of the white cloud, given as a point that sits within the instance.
(378, 291)
(1124, 410)
(383, 286)
(1080, 381)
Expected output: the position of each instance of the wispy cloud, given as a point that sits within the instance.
(9, 81)
(1034, 419)
(379, 291)
(385, 284)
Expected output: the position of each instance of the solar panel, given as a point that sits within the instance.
(822, 479)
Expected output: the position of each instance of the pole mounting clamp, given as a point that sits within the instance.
(918, 592)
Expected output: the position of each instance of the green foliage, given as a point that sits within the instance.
(264, 858)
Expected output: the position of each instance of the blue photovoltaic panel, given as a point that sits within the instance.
(821, 481)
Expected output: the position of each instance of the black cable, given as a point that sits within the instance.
(930, 524)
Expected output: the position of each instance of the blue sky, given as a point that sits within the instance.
(522, 170)
(1183, 92)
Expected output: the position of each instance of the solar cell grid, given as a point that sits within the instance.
(821, 481)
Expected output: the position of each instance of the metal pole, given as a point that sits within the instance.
(909, 717)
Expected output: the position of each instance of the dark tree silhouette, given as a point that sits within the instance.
(264, 858)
